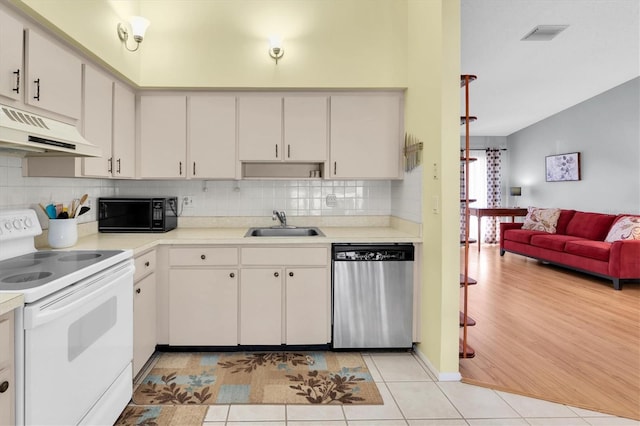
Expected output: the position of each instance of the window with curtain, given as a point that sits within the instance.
(485, 186)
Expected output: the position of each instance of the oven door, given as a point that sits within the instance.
(78, 341)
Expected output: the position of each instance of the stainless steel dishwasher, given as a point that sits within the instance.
(372, 295)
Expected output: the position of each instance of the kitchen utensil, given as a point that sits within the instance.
(83, 210)
(74, 207)
(83, 199)
(51, 211)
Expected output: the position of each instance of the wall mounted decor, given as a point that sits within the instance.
(562, 167)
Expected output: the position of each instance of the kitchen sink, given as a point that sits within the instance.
(289, 231)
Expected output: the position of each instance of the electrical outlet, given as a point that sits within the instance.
(187, 201)
(331, 200)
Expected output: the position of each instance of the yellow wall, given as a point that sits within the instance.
(224, 43)
(91, 26)
(432, 105)
(328, 44)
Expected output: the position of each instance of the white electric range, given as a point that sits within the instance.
(74, 335)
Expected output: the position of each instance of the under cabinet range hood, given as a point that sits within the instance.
(29, 134)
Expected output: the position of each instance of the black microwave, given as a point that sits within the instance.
(137, 214)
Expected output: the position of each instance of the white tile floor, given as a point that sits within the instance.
(413, 398)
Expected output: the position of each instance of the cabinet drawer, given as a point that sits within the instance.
(203, 256)
(285, 256)
(145, 264)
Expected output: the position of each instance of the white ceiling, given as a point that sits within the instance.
(522, 82)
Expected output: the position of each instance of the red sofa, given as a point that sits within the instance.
(578, 244)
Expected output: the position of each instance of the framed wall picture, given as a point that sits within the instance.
(562, 167)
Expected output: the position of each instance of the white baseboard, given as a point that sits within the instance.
(453, 376)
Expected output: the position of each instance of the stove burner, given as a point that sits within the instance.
(13, 264)
(26, 277)
(79, 257)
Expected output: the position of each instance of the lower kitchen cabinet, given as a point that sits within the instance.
(261, 307)
(144, 320)
(285, 296)
(7, 375)
(306, 306)
(144, 310)
(203, 307)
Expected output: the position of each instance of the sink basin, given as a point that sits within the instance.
(284, 232)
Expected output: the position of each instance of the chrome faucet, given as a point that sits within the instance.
(281, 216)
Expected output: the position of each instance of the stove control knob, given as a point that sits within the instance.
(28, 222)
(7, 225)
(17, 223)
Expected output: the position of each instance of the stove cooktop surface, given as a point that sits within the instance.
(39, 268)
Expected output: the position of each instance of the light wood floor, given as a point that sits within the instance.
(553, 334)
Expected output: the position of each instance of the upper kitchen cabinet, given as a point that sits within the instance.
(366, 135)
(108, 121)
(54, 76)
(163, 136)
(260, 128)
(124, 132)
(212, 137)
(293, 128)
(97, 121)
(11, 71)
(282, 136)
(305, 128)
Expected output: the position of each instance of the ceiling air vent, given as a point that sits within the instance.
(544, 32)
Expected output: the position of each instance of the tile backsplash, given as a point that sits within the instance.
(261, 197)
(18, 192)
(224, 198)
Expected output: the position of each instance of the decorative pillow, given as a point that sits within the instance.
(625, 228)
(541, 219)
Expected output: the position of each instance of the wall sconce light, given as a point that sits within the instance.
(138, 27)
(275, 48)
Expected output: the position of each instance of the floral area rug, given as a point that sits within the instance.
(162, 415)
(258, 378)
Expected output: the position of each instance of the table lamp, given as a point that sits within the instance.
(515, 191)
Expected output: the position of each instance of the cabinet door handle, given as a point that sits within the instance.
(138, 291)
(37, 96)
(276, 150)
(290, 274)
(288, 150)
(4, 386)
(203, 257)
(276, 274)
(232, 275)
(194, 168)
(335, 167)
(180, 168)
(110, 165)
(146, 263)
(17, 88)
(118, 171)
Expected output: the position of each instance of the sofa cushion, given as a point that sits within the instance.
(591, 226)
(624, 228)
(552, 241)
(541, 219)
(598, 250)
(563, 221)
(521, 235)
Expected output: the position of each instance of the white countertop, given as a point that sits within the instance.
(142, 242)
(10, 301)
